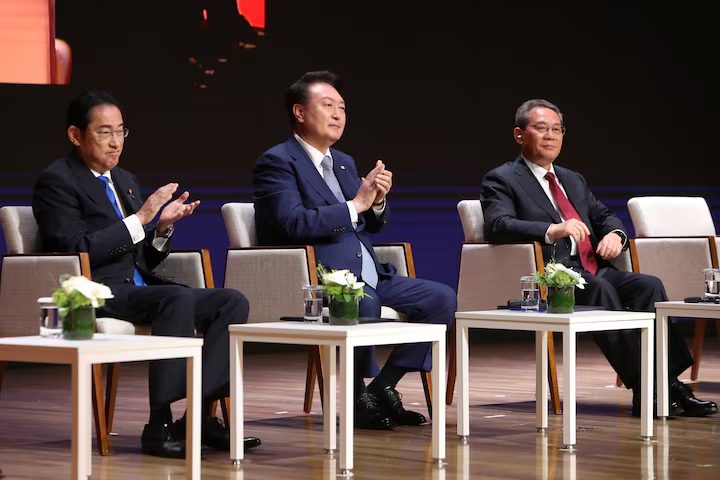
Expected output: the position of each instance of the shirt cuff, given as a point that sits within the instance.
(135, 228)
(547, 236)
(353, 212)
(160, 243)
(379, 213)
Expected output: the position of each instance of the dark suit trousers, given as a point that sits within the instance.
(175, 310)
(423, 301)
(616, 290)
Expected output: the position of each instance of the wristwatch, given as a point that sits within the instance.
(167, 233)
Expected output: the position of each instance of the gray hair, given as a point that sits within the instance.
(522, 116)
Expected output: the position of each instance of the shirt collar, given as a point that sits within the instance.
(537, 170)
(316, 156)
(106, 174)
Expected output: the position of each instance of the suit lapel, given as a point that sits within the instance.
(308, 172)
(344, 174)
(92, 187)
(530, 184)
(128, 196)
(576, 197)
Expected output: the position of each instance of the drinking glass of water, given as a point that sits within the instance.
(530, 293)
(712, 282)
(313, 301)
(50, 321)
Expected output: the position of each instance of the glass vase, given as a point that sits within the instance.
(79, 324)
(344, 313)
(560, 299)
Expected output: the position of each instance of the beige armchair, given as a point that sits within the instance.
(675, 240)
(489, 276)
(27, 275)
(250, 269)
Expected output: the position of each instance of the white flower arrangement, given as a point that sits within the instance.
(78, 291)
(558, 275)
(341, 285)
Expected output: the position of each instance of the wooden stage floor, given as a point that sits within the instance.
(35, 426)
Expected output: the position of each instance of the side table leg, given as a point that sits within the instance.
(661, 325)
(237, 433)
(569, 407)
(82, 427)
(463, 358)
(192, 426)
(541, 380)
(347, 411)
(438, 421)
(646, 415)
(330, 399)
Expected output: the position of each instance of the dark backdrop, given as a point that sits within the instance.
(431, 90)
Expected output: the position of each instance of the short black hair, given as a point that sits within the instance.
(522, 115)
(78, 113)
(297, 93)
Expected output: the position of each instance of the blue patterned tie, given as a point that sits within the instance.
(137, 278)
(368, 272)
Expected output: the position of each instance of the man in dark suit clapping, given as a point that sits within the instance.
(84, 202)
(309, 193)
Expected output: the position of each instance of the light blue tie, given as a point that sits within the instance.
(368, 273)
(137, 278)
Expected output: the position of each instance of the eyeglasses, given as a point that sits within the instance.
(105, 135)
(543, 128)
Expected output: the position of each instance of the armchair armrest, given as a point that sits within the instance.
(399, 254)
(490, 273)
(188, 267)
(271, 278)
(26, 277)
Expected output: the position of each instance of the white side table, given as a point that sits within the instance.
(665, 310)
(82, 354)
(346, 338)
(569, 325)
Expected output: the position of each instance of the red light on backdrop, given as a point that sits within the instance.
(253, 11)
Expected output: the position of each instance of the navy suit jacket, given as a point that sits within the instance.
(74, 214)
(516, 209)
(294, 206)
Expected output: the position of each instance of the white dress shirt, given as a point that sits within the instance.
(132, 222)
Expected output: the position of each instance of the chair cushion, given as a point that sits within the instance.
(114, 326)
(671, 217)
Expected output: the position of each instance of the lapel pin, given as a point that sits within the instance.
(130, 193)
(342, 167)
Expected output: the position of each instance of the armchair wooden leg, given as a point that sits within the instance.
(427, 387)
(552, 373)
(225, 407)
(113, 372)
(452, 368)
(314, 370)
(700, 324)
(103, 440)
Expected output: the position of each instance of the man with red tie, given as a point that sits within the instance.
(531, 199)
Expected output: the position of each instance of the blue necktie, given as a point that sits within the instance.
(368, 272)
(137, 278)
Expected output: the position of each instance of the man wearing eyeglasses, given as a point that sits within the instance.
(531, 199)
(84, 202)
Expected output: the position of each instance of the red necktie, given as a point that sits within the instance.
(587, 256)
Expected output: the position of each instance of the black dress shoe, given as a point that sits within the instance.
(161, 440)
(391, 401)
(215, 435)
(691, 406)
(368, 414)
